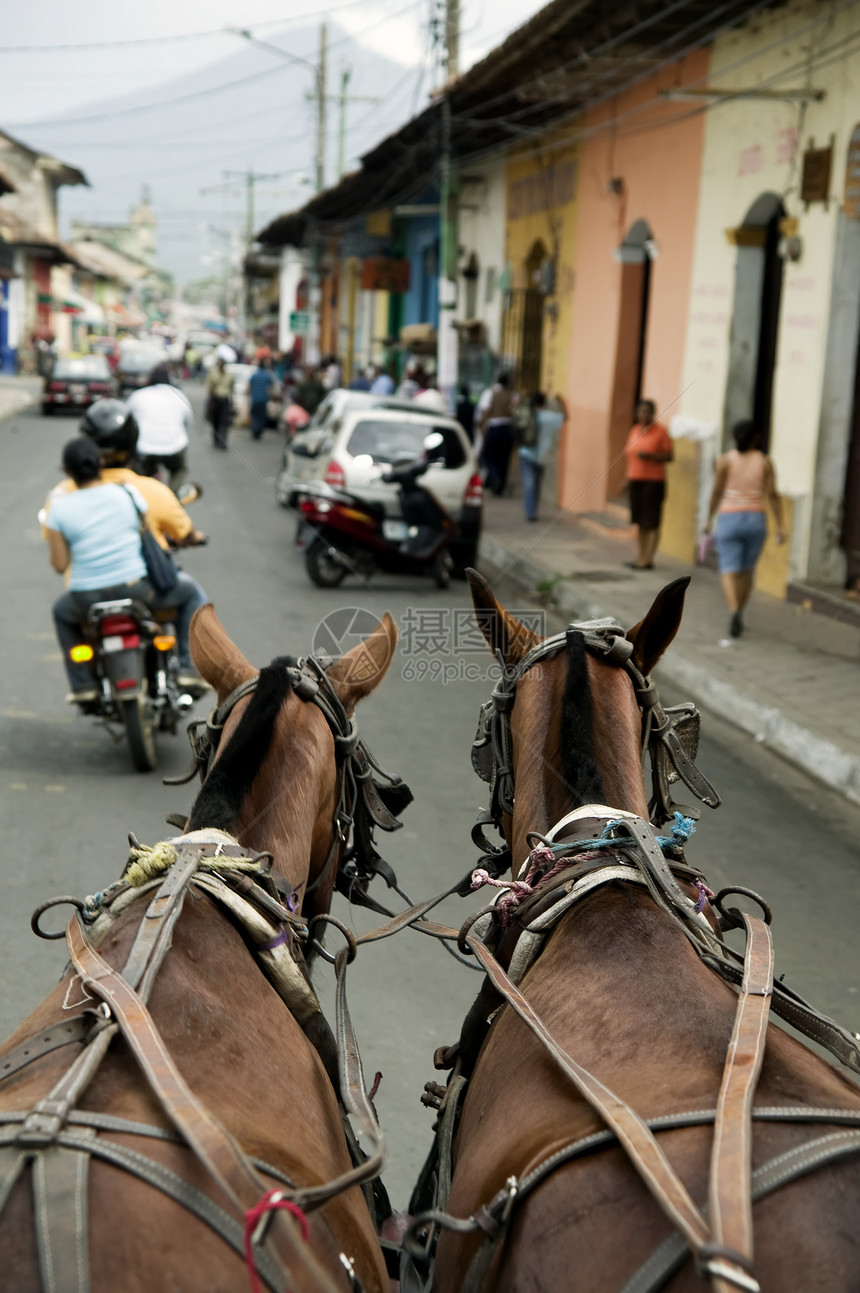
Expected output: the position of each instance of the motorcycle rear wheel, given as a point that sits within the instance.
(441, 569)
(140, 730)
(324, 570)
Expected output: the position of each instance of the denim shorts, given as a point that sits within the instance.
(740, 539)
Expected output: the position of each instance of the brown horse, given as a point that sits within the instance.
(623, 993)
(276, 785)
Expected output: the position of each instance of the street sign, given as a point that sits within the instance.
(299, 320)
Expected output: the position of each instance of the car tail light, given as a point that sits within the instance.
(334, 475)
(57, 386)
(474, 495)
(99, 386)
(113, 624)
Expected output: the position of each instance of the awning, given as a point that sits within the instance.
(127, 317)
(87, 311)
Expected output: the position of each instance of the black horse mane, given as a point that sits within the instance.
(224, 790)
(581, 773)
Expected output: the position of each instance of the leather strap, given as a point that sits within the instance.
(76, 1029)
(729, 1195)
(632, 1132)
(212, 1144)
(60, 1195)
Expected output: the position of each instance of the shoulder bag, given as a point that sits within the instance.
(160, 570)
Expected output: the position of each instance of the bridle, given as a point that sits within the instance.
(364, 783)
(670, 736)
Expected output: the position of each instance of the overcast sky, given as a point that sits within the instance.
(45, 83)
(248, 107)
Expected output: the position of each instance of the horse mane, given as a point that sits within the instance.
(582, 776)
(223, 792)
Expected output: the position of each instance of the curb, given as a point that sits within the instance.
(21, 400)
(818, 758)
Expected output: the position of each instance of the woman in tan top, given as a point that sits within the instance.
(743, 484)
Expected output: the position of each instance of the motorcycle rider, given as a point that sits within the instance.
(113, 430)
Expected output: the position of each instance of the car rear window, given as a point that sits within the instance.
(400, 441)
(138, 362)
(90, 366)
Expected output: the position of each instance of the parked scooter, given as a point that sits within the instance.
(342, 533)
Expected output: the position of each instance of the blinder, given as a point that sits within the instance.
(670, 736)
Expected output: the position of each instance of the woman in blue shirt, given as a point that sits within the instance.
(94, 533)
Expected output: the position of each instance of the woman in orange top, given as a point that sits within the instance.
(649, 448)
(744, 481)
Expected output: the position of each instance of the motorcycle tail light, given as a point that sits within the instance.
(307, 506)
(82, 653)
(334, 475)
(474, 495)
(117, 624)
(123, 684)
(164, 641)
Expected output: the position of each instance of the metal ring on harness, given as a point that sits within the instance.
(45, 906)
(325, 919)
(731, 918)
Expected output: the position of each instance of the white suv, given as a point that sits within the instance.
(352, 433)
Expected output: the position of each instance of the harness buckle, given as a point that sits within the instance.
(511, 1191)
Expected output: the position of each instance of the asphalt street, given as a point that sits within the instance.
(69, 795)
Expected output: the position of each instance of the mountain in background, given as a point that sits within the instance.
(250, 111)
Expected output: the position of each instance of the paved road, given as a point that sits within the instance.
(69, 796)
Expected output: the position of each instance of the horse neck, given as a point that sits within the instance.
(543, 791)
(288, 810)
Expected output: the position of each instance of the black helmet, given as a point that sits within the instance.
(112, 426)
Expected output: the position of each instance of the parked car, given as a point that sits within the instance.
(76, 383)
(135, 365)
(352, 434)
(107, 346)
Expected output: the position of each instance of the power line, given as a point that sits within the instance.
(179, 36)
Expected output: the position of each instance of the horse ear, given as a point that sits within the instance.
(502, 630)
(653, 634)
(357, 673)
(215, 657)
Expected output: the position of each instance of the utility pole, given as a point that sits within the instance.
(343, 100)
(321, 105)
(448, 347)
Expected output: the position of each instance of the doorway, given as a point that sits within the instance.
(755, 318)
(631, 342)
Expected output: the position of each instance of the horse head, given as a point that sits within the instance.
(280, 778)
(575, 721)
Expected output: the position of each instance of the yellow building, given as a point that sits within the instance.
(540, 255)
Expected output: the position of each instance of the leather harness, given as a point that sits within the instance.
(720, 1234)
(58, 1141)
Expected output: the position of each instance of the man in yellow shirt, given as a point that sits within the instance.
(113, 429)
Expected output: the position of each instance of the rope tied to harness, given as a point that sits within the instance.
(148, 863)
(270, 1202)
(549, 858)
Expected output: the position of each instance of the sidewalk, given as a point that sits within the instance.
(791, 681)
(16, 393)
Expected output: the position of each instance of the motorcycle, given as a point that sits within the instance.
(131, 650)
(342, 533)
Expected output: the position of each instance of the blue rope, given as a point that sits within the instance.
(680, 832)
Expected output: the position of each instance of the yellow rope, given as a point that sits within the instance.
(150, 863)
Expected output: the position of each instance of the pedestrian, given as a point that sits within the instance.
(383, 384)
(744, 482)
(332, 376)
(260, 385)
(538, 435)
(649, 448)
(361, 381)
(413, 380)
(219, 404)
(495, 409)
(430, 397)
(466, 413)
(310, 391)
(163, 415)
